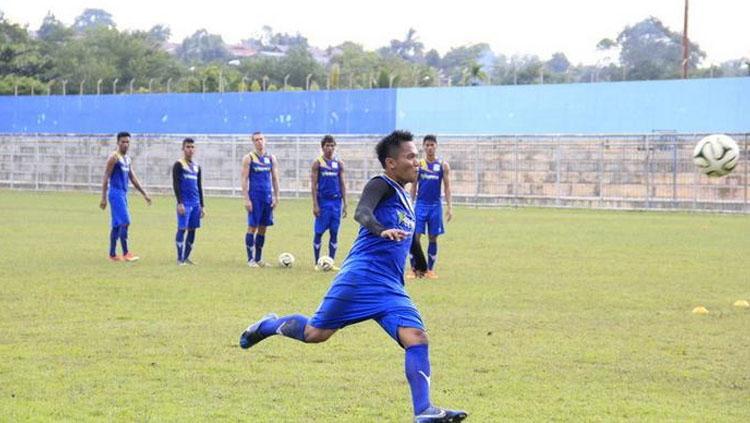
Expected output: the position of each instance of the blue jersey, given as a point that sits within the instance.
(118, 180)
(430, 180)
(189, 190)
(260, 176)
(329, 186)
(381, 260)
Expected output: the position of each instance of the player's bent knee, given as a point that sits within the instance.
(412, 336)
(314, 335)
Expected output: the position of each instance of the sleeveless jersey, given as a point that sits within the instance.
(119, 178)
(329, 187)
(382, 258)
(260, 175)
(430, 181)
(189, 183)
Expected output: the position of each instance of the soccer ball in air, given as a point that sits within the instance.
(286, 259)
(325, 263)
(716, 155)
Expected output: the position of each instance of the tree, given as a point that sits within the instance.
(203, 47)
(19, 54)
(409, 49)
(93, 18)
(650, 50)
(558, 63)
(160, 33)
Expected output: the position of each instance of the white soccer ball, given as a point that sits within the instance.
(325, 263)
(286, 259)
(716, 155)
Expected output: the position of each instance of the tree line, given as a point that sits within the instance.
(93, 56)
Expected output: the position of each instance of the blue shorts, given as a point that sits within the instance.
(330, 216)
(262, 214)
(118, 207)
(390, 311)
(191, 218)
(431, 216)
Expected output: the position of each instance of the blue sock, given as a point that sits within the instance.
(316, 246)
(113, 234)
(418, 374)
(124, 238)
(292, 326)
(333, 243)
(431, 255)
(189, 243)
(259, 241)
(250, 245)
(179, 241)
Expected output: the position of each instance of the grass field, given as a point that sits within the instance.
(539, 315)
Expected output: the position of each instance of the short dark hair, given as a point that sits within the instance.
(327, 139)
(122, 134)
(390, 144)
(429, 137)
(187, 141)
(255, 133)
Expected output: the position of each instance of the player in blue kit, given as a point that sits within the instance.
(434, 173)
(328, 196)
(188, 189)
(370, 284)
(117, 174)
(260, 190)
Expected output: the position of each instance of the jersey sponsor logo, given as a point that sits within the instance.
(405, 220)
(335, 165)
(429, 176)
(436, 167)
(266, 160)
(328, 173)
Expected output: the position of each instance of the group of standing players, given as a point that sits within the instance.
(370, 283)
(260, 193)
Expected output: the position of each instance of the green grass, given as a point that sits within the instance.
(539, 315)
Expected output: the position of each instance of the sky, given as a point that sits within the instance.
(540, 27)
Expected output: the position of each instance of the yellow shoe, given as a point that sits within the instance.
(431, 275)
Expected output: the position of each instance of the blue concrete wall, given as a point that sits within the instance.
(315, 112)
(697, 105)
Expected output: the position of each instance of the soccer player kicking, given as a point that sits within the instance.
(117, 173)
(433, 174)
(188, 189)
(259, 175)
(370, 284)
(328, 195)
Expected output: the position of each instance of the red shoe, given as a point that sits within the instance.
(115, 258)
(130, 257)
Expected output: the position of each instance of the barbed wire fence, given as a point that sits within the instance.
(634, 171)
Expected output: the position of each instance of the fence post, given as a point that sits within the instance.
(647, 143)
(64, 164)
(476, 174)
(91, 166)
(674, 171)
(600, 173)
(298, 185)
(747, 170)
(556, 152)
(14, 147)
(36, 166)
(234, 163)
(514, 188)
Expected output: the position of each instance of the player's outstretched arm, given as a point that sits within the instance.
(137, 185)
(110, 166)
(275, 181)
(342, 184)
(246, 183)
(448, 194)
(375, 190)
(314, 187)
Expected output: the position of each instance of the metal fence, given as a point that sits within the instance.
(642, 171)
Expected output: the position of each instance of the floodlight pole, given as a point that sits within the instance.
(685, 44)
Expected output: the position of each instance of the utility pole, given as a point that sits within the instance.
(685, 44)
